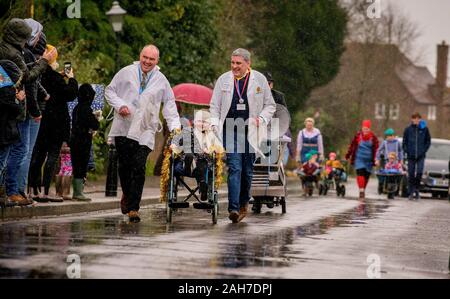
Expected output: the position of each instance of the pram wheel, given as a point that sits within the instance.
(169, 212)
(215, 210)
(257, 207)
(343, 191)
(283, 205)
(321, 189)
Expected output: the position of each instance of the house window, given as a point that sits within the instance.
(394, 111)
(431, 112)
(380, 111)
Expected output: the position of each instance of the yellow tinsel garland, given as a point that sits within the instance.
(165, 169)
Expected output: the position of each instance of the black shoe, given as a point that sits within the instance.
(134, 217)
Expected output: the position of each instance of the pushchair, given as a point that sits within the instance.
(269, 179)
(176, 179)
(335, 180)
(310, 182)
(269, 185)
(391, 182)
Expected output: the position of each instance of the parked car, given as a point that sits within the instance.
(435, 179)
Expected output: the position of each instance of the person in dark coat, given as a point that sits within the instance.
(278, 96)
(54, 129)
(16, 34)
(36, 95)
(416, 142)
(10, 109)
(84, 123)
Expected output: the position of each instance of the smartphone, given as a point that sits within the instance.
(67, 67)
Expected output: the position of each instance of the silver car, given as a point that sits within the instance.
(435, 179)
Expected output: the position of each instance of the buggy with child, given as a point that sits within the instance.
(193, 153)
(391, 176)
(392, 179)
(334, 176)
(309, 173)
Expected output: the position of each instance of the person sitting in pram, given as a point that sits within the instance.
(310, 171)
(393, 166)
(194, 148)
(334, 167)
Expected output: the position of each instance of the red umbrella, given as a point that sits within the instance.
(193, 94)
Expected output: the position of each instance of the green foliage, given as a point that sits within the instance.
(300, 42)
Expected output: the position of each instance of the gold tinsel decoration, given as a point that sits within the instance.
(165, 169)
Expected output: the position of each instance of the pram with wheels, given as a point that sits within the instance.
(310, 182)
(391, 182)
(175, 202)
(269, 180)
(185, 149)
(335, 180)
(269, 186)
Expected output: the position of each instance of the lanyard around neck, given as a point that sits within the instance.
(239, 92)
(142, 89)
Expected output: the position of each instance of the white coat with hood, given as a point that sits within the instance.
(143, 122)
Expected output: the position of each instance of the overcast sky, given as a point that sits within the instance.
(433, 19)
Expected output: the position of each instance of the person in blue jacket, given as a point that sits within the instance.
(416, 142)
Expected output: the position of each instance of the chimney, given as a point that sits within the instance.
(442, 65)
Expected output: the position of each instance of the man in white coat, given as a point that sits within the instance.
(241, 103)
(136, 93)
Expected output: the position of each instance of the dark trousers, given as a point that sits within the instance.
(80, 153)
(44, 151)
(415, 172)
(132, 165)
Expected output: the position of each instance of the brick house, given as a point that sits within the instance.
(380, 83)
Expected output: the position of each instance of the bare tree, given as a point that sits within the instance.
(393, 27)
(375, 47)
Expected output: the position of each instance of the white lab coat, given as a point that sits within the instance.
(260, 102)
(144, 121)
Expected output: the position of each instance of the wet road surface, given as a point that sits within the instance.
(321, 237)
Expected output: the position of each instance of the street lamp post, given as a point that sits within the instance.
(115, 15)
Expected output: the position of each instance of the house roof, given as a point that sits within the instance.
(417, 80)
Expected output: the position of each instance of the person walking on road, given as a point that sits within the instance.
(309, 139)
(241, 98)
(416, 142)
(362, 152)
(136, 93)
